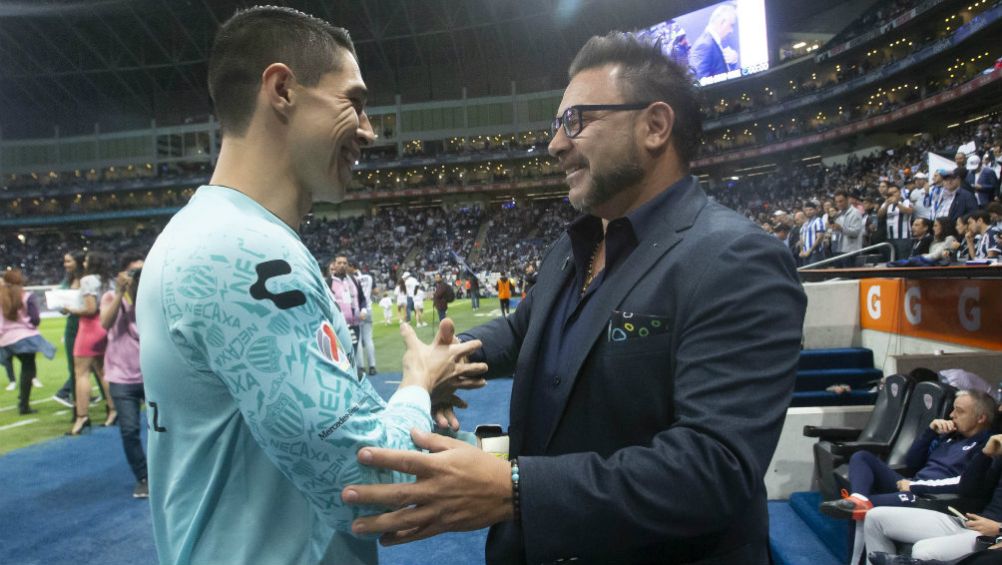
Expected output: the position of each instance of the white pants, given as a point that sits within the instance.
(936, 535)
(365, 342)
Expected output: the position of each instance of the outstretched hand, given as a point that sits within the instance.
(458, 488)
(434, 365)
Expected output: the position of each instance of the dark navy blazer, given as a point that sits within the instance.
(661, 443)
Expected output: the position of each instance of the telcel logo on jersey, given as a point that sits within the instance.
(331, 348)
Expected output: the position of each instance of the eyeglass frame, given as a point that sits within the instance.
(580, 109)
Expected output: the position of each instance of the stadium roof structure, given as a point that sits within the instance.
(73, 63)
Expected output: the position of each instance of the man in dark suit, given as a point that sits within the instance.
(709, 56)
(653, 360)
(962, 202)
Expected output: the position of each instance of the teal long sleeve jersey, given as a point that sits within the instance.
(256, 413)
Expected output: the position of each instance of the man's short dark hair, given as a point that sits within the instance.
(925, 222)
(648, 76)
(842, 193)
(129, 258)
(982, 215)
(256, 37)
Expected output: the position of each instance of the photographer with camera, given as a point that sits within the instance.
(121, 364)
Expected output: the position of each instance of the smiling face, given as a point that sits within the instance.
(604, 159)
(328, 130)
(69, 263)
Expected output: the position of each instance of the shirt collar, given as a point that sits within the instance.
(625, 233)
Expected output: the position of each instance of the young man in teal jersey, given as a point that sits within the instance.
(256, 409)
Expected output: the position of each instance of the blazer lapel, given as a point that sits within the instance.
(651, 248)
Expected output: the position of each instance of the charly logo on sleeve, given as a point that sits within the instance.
(270, 270)
(330, 347)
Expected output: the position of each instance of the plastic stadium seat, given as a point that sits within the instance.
(882, 428)
(929, 400)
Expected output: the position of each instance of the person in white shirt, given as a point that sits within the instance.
(921, 199)
(419, 306)
(364, 280)
(410, 285)
(386, 303)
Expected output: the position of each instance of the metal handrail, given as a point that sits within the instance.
(851, 254)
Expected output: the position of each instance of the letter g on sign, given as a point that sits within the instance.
(873, 302)
(970, 320)
(913, 305)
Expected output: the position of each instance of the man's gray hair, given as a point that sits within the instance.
(984, 405)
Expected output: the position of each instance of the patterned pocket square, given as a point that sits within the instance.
(630, 325)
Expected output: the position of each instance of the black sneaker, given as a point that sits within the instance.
(26, 411)
(372, 371)
(142, 490)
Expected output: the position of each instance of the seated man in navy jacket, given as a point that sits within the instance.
(939, 455)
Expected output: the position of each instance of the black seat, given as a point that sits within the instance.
(882, 428)
(929, 400)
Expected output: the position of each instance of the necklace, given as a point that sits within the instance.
(590, 274)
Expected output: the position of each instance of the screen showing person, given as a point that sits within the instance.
(722, 41)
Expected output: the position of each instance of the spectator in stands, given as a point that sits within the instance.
(935, 196)
(944, 241)
(962, 251)
(846, 228)
(980, 238)
(73, 269)
(811, 235)
(921, 198)
(922, 237)
(505, 288)
(937, 535)
(939, 455)
(121, 365)
(91, 341)
(983, 179)
(897, 214)
(19, 336)
(957, 202)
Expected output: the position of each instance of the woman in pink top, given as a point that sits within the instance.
(19, 335)
(88, 349)
(121, 364)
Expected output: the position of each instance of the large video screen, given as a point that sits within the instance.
(720, 42)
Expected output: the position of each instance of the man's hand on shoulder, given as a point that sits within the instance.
(459, 488)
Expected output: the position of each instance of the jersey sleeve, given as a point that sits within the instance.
(264, 323)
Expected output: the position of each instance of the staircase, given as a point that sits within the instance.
(801, 535)
(821, 368)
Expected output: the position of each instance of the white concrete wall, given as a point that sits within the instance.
(832, 318)
(886, 345)
(792, 466)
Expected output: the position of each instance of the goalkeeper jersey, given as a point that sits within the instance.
(255, 409)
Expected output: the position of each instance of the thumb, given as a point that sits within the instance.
(435, 442)
(446, 331)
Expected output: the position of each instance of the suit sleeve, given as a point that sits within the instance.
(700, 58)
(502, 339)
(737, 344)
(281, 348)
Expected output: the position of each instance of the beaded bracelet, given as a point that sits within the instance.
(514, 490)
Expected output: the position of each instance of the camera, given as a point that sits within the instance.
(134, 273)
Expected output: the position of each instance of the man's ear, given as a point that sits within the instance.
(659, 120)
(278, 87)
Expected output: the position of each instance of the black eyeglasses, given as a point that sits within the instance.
(573, 122)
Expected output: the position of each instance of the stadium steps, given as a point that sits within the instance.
(478, 243)
(820, 368)
(794, 540)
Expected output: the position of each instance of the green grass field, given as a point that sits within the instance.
(53, 419)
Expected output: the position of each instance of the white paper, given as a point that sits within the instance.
(63, 298)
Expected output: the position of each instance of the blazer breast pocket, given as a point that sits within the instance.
(631, 333)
